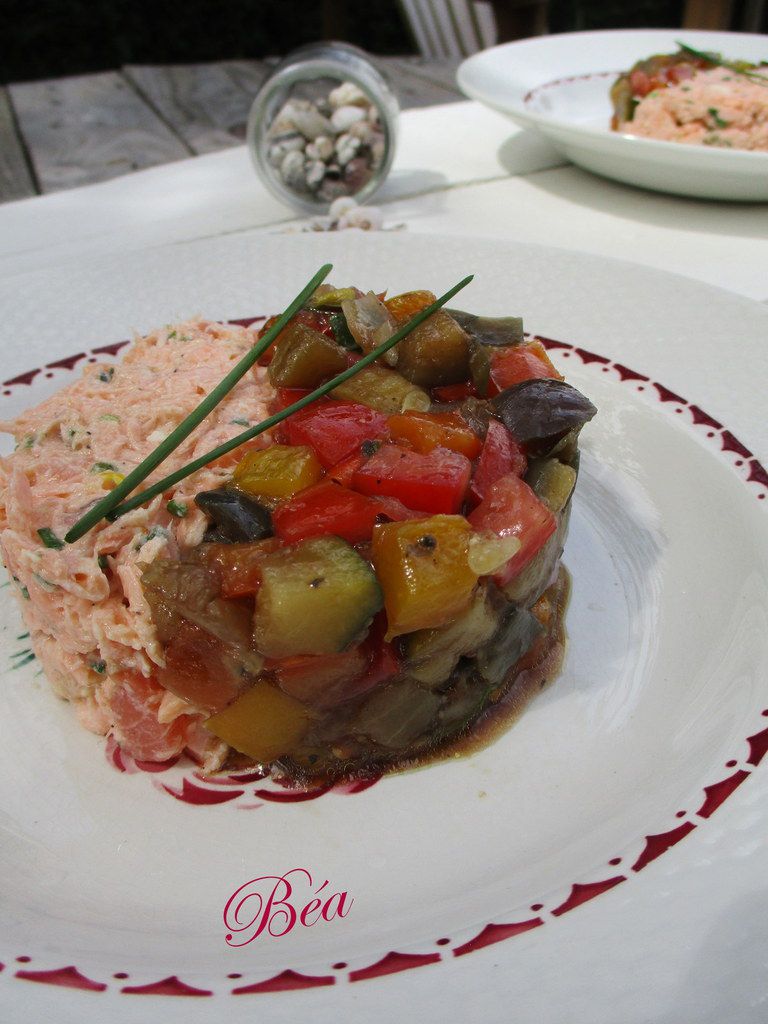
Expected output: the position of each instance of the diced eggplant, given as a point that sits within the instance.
(540, 412)
(490, 330)
(435, 353)
(397, 715)
(316, 597)
(517, 631)
(432, 654)
(304, 358)
(236, 517)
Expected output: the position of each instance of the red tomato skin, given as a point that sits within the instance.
(328, 508)
(335, 429)
(501, 455)
(434, 483)
(524, 362)
(510, 508)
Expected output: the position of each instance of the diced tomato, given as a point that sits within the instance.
(641, 83)
(523, 362)
(329, 508)
(322, 680)
(680, 73)
(343, 471)
(427, 430)
(510, 508)
(238, 565)
(133, 704)
(196, 668)
(454, 392)
(436, 482)
(501, 455)
(287, 396)
(335, 429)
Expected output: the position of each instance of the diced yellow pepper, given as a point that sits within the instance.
(264, 723)
(278, 471)
(424, 571)
(110, 480)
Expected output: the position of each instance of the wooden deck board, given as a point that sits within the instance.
(206, 104)
(16, 181)
(90, 128)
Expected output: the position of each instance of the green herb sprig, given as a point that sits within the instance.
(180, 433)
(271, 421)
(716, 58)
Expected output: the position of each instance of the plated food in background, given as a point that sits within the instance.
(695, 98)
(353, 592)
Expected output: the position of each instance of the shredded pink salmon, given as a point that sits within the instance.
(89, 623)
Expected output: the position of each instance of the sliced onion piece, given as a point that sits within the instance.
(488, 552)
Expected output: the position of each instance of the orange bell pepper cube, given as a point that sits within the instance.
(424, 571)
(425, 431)
(523, 362)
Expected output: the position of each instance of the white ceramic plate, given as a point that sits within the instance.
(559, 85)
(604, 860)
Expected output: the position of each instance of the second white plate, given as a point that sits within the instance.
(559, 85)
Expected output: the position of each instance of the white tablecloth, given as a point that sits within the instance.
(460, 168)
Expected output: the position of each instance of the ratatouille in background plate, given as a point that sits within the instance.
(616, 830)
(560, 86)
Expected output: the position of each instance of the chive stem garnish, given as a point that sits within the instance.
(187, 425)
(49, 538)
(715, 58)
(271, 421)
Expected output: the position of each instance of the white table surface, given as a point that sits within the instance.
(459, 169)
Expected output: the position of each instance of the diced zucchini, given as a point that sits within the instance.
(432, 654)
(264, 723)
(317, 597)
(552, 481)
(304, 358)
(383, 390)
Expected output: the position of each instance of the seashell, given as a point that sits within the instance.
(347, 147)
(356, 174)
(283, 144)
(362, 130)
(347, 95)
(292, 169)
(285, 119)
(341, 206)
(314, 171)
(377, 146)
(331, 189)
(343, 118)
(367, 218)
(321, 148)
(311, 123)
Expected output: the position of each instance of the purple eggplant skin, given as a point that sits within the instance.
(540, 412)
(236, 517)
(490, 330)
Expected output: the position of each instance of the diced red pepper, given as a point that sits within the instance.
(510, 508)
(344, 471)
(287, 396)
(523, 362)
(329, 508)
(454, 392)
(335, 429)
(425, 431)
(436, 482)
(501, 455)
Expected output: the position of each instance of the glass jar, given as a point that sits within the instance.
(323, 125)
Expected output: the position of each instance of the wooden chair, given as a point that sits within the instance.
(445, 29)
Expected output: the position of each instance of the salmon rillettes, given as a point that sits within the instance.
(354, 591)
